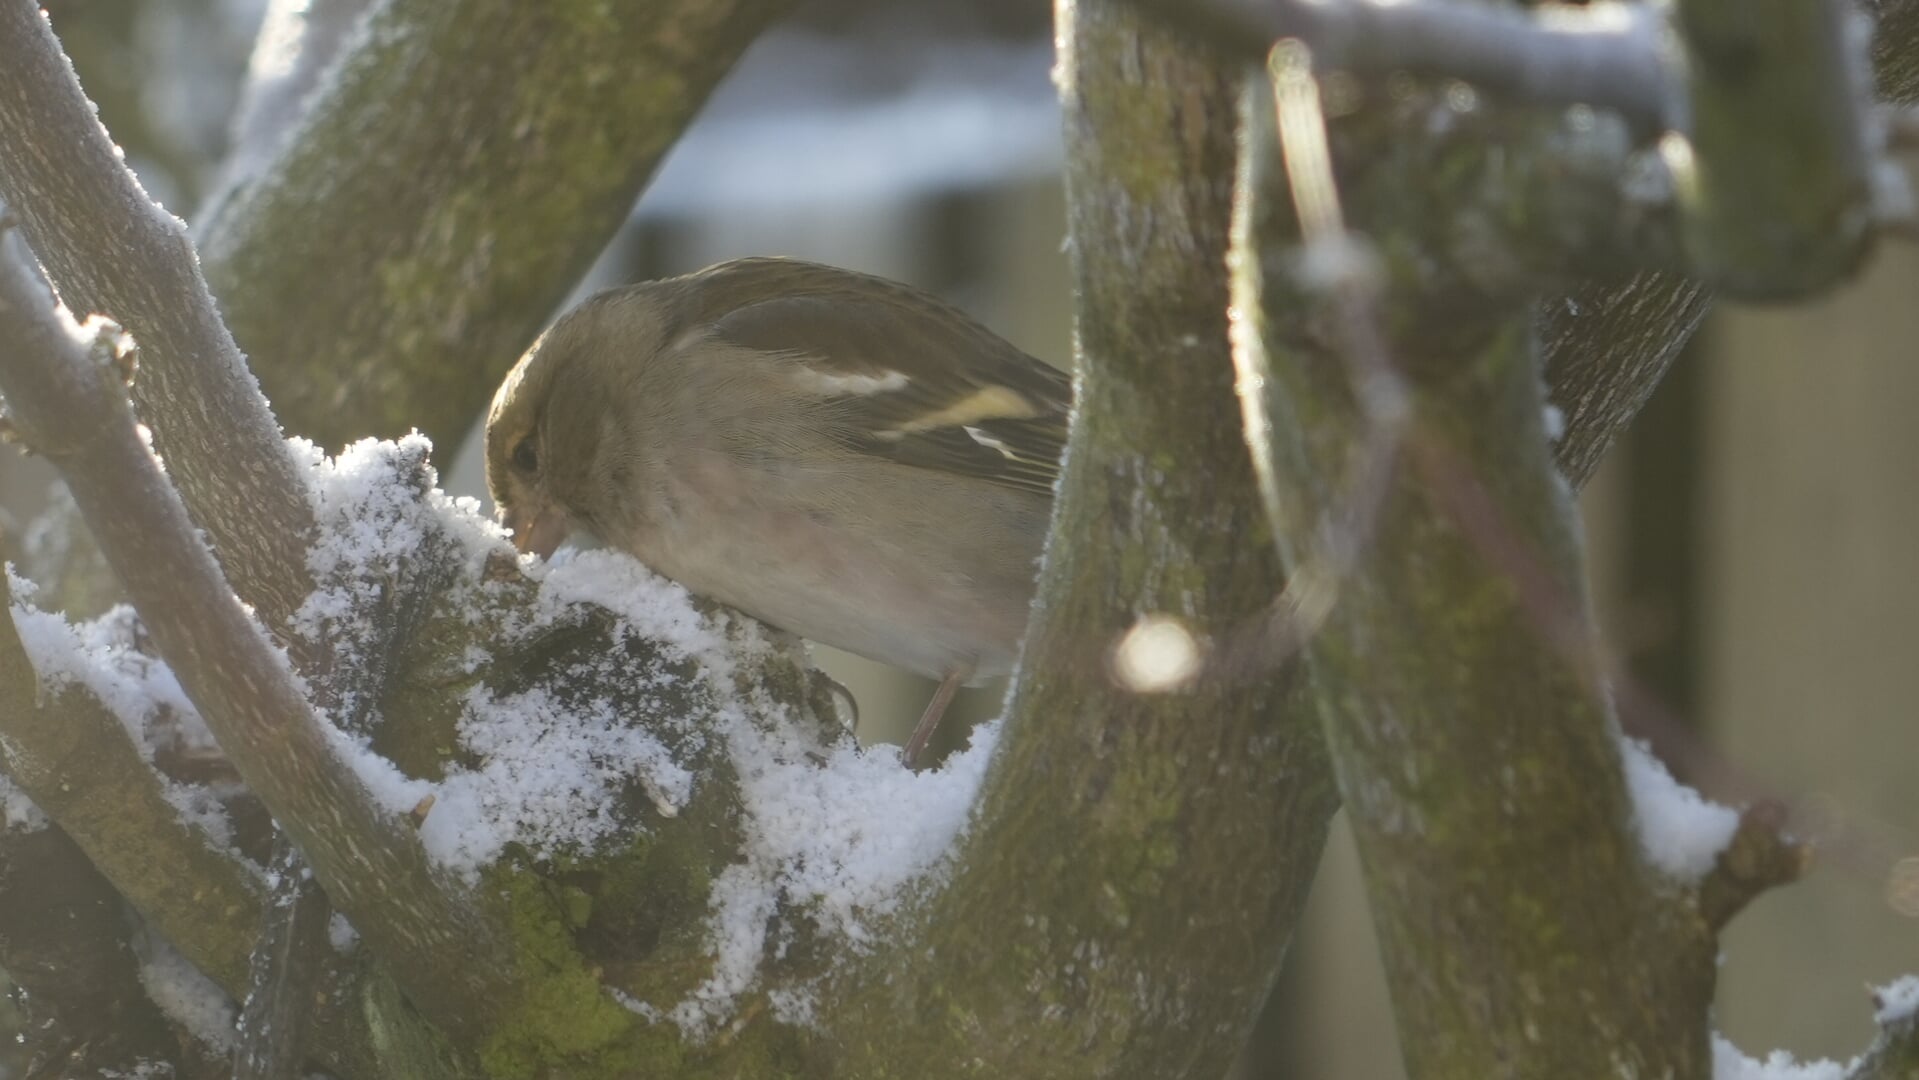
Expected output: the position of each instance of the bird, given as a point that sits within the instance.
(841, 456)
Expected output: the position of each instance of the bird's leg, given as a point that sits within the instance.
(930, 719)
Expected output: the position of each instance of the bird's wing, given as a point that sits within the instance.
(908, 377)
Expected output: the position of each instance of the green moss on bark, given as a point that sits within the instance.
(452, 179)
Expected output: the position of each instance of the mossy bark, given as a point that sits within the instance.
(1523, 934)
(1122, 902)
(452, 178)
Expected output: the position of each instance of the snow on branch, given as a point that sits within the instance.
(73, 410)
(70, 694)
(1893, 1055)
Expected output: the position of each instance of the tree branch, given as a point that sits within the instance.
(1136, 859)
(73, 758)
(1473, 749)
(1894, 1055)
(453, 176)
(451, 959)
(1607, 55)
(112, 251)
(1776, 177)
(1608, 344)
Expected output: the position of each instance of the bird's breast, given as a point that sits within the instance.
(879, 560)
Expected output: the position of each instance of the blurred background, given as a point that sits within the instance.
(1754, 543)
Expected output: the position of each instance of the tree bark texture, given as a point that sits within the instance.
(454, 175)
(1522, 932)
(1138, 860)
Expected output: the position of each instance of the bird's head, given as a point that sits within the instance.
(549, 430)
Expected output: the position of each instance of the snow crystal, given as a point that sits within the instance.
(635, 1005)
(20, 811)
(1555, 421)
(1898, 1000)
(1729, 1064)
(187, 996)
(1680, 832)
(341, 934)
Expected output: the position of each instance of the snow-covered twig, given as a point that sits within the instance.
(116, 809)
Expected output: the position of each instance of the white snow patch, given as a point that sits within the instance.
(341, 934)
(550, 779)
(103, 657)
(635, 1006)
(379, 518)
(1680, 832)
(798, 1006)
(20, 811)
(187, 996)
(1898, 1000)
(650, 605)
(841, 833)
(1729, 1064)
(834, 833)
(1554, 418)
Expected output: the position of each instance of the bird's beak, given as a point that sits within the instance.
(540, 530)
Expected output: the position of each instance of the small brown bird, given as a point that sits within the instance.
(844, 457)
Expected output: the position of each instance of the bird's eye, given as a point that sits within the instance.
(525, 457)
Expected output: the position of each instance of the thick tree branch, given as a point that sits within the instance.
(454, 175)
(112, 251)
(1775, 173)
(452, 960)
(73, 758)
(1473, 747)
(1137, 860)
